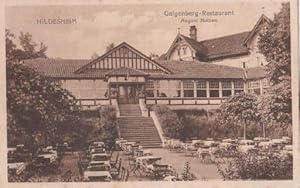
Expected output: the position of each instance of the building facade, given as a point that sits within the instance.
(195, 73)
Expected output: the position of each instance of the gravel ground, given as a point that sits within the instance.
(177, 160)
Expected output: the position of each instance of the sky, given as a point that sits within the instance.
(145, 27)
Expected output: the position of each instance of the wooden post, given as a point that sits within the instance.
(109, 93)
(232, 88)
(181, 89)
(207, 89)
(261, 86)
(245, 127)
(195, 88)
(220, 90)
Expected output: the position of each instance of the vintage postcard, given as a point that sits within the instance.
(106, 93)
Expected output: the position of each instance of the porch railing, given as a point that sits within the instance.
(184, 100)
(92, 103)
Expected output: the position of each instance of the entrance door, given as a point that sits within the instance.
(127, 94)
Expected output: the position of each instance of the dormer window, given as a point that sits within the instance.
(184, 50)
(244, 65)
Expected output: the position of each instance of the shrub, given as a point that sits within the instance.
(257, 165)
(169, 121)
(187, 175)
(108, 116)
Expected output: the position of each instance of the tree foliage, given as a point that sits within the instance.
(274, 44)
(28, 48)
(36, 105)
(108, 120)
(110, 46)
(169, 121)
(257, 165)
(240, 109)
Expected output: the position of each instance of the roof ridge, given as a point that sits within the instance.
(223, 36)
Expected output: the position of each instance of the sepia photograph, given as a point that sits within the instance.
(157, 92)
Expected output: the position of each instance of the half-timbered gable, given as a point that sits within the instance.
(124, 56)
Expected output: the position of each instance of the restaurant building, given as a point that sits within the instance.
(191, 72)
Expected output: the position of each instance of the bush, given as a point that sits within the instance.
(257, 165)
(169, 121)
(108, 116)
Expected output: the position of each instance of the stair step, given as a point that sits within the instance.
(134, 127)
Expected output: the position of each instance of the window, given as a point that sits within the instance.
(113, 90)
(149, 86)
(256, 91)
(178, 89)
(178, 52)
(265, 83)
(188, 88)
(201, 88)
(214, 89)
(253, 84)
(184, 50)
(226, 88)
(213, 85)
(244, 65)
(214, 93)
(238, 86)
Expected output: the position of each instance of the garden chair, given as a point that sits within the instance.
(205, 157)
(126, 175)
(134, 167)
(123, 171)
(115, 172)
(113, 163)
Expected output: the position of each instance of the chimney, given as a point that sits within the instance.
(193, 32)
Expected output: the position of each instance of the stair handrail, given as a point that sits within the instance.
(143, 107)
(158, 126)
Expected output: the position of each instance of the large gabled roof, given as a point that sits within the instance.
(65, 69)
(222, 47)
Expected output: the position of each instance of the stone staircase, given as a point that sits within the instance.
(130, 110)
(134, 127)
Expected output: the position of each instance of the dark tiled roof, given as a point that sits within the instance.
(123, 71)
(196, 69)
(62, 68)
(256, 72)
(221, 47)
(226, 46)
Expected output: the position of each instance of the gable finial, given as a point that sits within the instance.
(263, 10)
(178, 29)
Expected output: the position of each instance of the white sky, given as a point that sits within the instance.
(143, 26)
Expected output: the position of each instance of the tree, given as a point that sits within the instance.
(28, 48)
(36, 105)
(153, 55)
(110, 46)
(274, 44)
(108, 120)
(94, 55)
(238, 109)
(9, 45)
